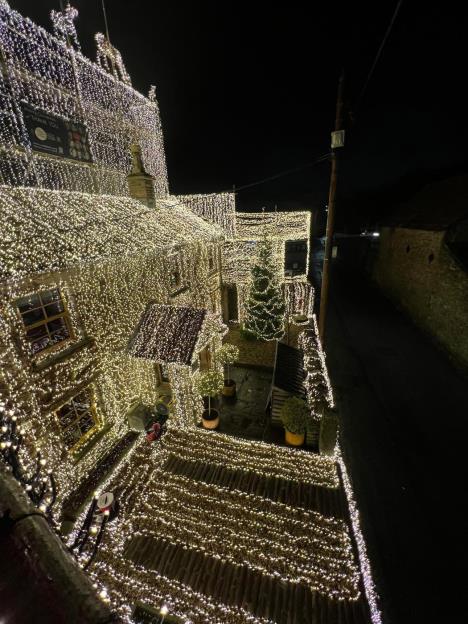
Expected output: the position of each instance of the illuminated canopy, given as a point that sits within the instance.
(168, 334)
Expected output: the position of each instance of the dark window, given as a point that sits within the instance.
(407, 248)
(77, 418)
(431, 257)
(211, 258)
(45, 319)
(175, 279)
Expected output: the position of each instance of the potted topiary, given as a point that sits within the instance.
(293, 415)
(208, 384)
(226, 356)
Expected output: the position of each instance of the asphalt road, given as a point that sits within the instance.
(404, 425)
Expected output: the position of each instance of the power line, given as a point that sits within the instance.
(281, 174)
(105, 20)
(379, 52)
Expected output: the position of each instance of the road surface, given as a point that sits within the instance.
(404, 424)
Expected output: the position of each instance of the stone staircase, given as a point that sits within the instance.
(234, 585)
(328, 502)
(259, 530)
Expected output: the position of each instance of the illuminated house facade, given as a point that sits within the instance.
(114, 294)
(84, 191)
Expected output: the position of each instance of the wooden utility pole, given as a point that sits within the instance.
(337, 141)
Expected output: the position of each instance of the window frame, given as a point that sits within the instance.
(91, 411)
(64, 314)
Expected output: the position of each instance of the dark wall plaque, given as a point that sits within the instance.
(53, 135)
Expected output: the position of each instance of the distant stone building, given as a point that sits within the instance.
(422, 262)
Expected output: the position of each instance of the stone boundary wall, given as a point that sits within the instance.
(417, 271)
(41, 582)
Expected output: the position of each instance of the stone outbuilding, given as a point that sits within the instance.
(422, 262)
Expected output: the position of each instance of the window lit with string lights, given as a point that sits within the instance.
(212, 265)
(78, 419)
(176, 280)
(45, 319)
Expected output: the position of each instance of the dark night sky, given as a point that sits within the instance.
(248, 89)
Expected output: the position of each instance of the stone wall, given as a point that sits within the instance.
(416, 269)
(41, 581)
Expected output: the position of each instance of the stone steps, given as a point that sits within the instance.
(272, 460)
(326, 501)
(235, 585)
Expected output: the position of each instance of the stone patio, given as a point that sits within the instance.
(245, 414)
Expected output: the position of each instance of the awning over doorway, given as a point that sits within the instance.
(172, 334)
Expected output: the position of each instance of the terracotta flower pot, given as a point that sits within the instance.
(294, 439)
(210, 419)
(229, 388)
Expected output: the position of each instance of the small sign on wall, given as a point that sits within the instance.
(335, 251)
(53, 135)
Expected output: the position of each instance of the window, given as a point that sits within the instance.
(45, 319)
(211, 258)
(77, 418)
(175, 273)
(164, 372)
(175, 278)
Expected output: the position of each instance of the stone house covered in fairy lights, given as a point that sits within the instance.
(114, 294)
(92, 237)
(72, 297)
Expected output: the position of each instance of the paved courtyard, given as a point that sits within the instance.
(245, 414)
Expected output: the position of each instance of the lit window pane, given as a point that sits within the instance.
(28, 303)
(34, 316)
(85, 423)
(50, 296)
(54, 308)
(37, 309)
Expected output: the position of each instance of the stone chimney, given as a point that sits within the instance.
(140, 183)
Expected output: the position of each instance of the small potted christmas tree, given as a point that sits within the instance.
(293, 415)
(227, 355)
(208, 384)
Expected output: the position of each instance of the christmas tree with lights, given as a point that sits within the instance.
(265, 307)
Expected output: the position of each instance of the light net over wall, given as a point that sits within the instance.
(66, 122)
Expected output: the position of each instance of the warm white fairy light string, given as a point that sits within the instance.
(313, 354)
(239, 253)
(124, 582)
(299, 295)
(259, 533)
(365, 566)
(317, 382)
(219, 208)
(294, 225)
(112, 257)
(264, 459)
